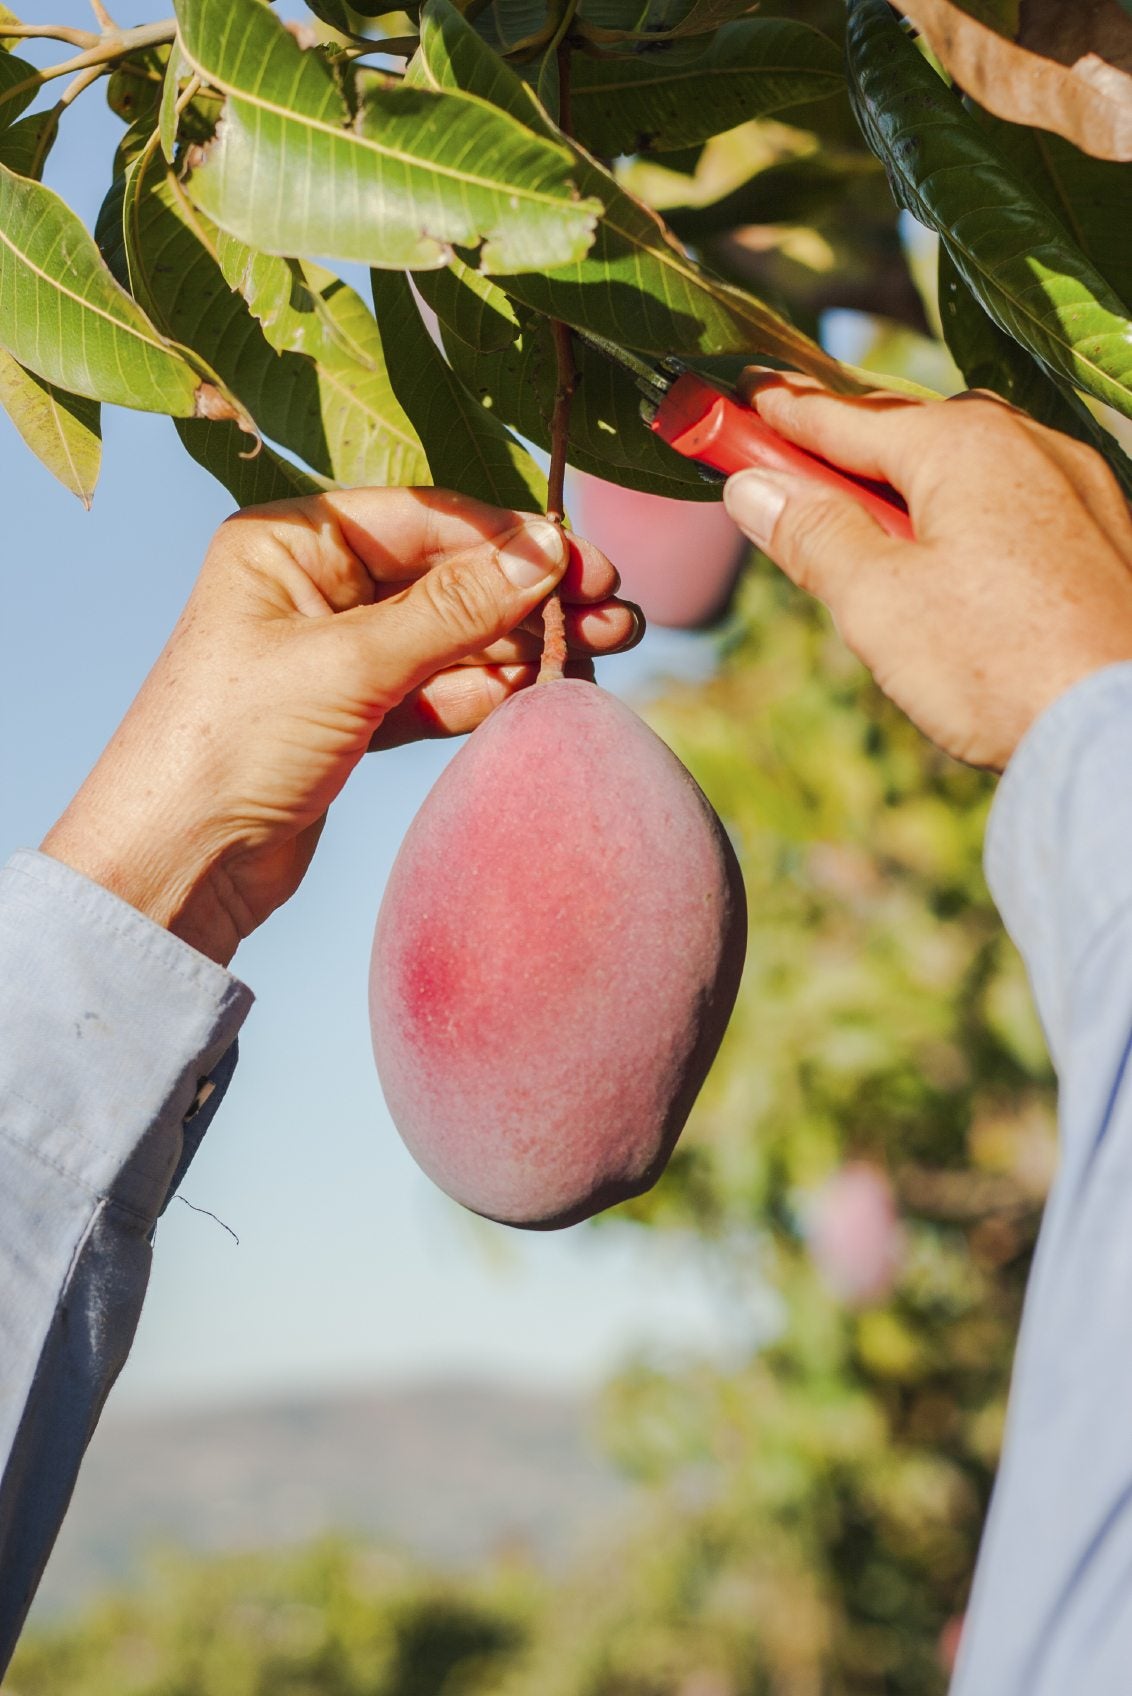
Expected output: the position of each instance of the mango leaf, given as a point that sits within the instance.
(339, 415)
(637, 286)
(468, 447)
(177, 72)
(470, 306)
(1014, 256)
(250, 479)
(607, 435)
(7, 42)
(678, 96)
(1070, 73)
(63, 315)
(654, 20)
(135, 88)
(62, 430)
(24, 145)
(990, 359)
(513, 26)
(291, 170)
(18, 87)
(1091, 197)
(286, 297)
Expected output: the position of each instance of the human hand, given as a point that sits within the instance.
(317, 629)
(1019, 582)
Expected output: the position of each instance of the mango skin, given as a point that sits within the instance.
(555, 961)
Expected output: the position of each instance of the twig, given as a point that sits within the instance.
(117, 46)
(553, 664)
(50, 32)
(105, 21)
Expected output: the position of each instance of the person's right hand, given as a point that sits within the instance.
(1019, 582)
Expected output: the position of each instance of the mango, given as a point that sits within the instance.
(556, 958)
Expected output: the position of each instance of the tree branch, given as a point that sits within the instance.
(553, 619)
(108, 49)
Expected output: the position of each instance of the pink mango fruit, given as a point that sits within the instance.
(854, 1235)
(555, 961)
(678, 559)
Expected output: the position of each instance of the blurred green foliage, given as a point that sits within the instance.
(814, 1509)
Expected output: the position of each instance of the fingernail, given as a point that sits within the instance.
(754, 502)
(533, 554)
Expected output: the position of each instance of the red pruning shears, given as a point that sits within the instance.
(713, 427)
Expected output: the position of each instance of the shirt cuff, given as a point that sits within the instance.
(1058, 854)
(117, 1034)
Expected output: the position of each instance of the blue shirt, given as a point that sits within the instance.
(119, 1041)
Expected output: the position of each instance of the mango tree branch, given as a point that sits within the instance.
(553, 621)
(118, 45)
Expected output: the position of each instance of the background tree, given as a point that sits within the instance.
(873, 1146)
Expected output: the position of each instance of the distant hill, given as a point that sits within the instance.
(449, 1472)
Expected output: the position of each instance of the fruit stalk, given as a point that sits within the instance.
(553, 664)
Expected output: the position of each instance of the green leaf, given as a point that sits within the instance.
(250, 480)
(61, 429)
(24, 145)
(289, 171)
(7, 42)
(607, 435)
(63, 315)
(990, 359)
(468, 446)
(177, 71)
(18, 87)
(636, 286)
(471, 306)
(339, 415)
(675, 97)
(1091, 197)
(135, 88)
(1013, 255)
(656, 20)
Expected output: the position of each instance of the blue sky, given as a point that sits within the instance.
(351, 1267)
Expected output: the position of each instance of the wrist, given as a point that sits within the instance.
(165, 871)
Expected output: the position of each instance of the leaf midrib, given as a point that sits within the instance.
(81, 300)
(560, 203)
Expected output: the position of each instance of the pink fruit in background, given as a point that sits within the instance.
(678, 559)
(854, 1235)
(556, 958)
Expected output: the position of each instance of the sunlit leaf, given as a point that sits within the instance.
(63, 315)
(636, 286)
(1091, 197)
(61, 429)
(678, 96)
(1015, 257)
(469, 447)
(339, 414)
(177, 71)
(990, 359)
(416, 171)
(1069, 73)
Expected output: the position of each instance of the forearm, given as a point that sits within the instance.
(118, 1043)
(1051, 1610)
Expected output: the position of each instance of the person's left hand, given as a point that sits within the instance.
(318, 629)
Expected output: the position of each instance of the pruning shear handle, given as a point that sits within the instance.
(705, 424)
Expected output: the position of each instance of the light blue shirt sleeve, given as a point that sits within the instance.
(1051, 1609)
(118, 1041)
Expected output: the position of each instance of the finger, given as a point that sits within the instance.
(451, 703)
(454, 702)
(867, 434)
(461, 607)
(823, 540)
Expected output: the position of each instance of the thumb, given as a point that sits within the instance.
(818, 536)
(467, 601)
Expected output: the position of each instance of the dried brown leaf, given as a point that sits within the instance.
(1069, 72)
